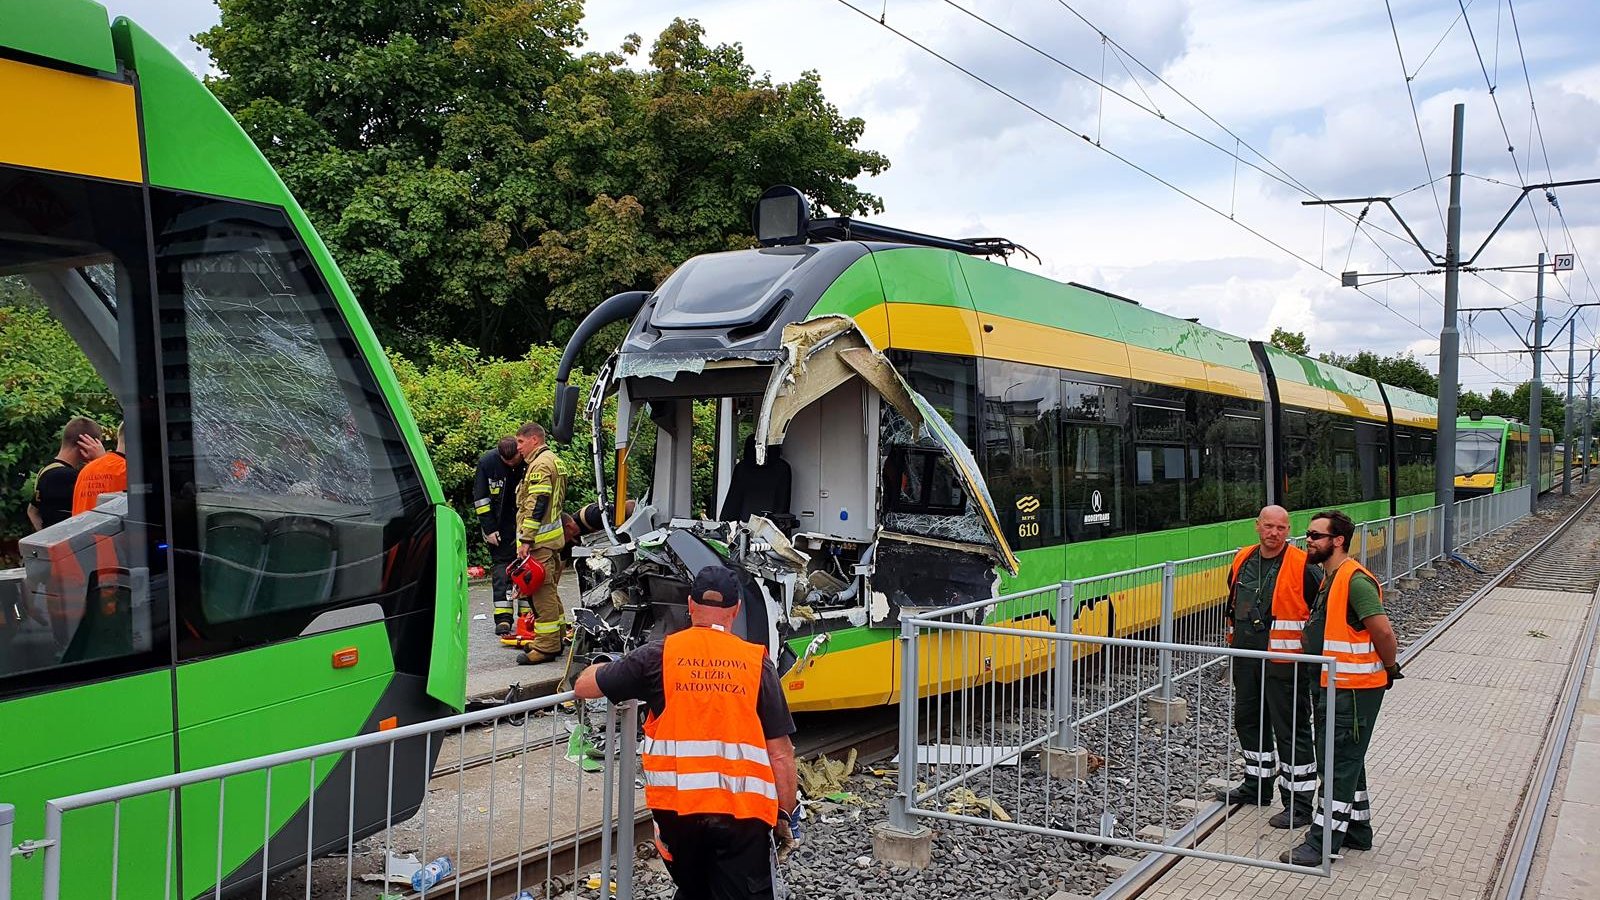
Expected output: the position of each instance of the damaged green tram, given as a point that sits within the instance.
(902, 377)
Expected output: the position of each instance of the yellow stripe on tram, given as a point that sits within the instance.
(68, 123)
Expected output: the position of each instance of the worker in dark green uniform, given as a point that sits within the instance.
(1269, 586)
(1347, 623)
(541, 536)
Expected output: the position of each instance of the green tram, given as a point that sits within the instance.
(282, 569)
(1492, 456)
(940, 428)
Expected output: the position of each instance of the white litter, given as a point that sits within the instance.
(398, 870)
(480, 617)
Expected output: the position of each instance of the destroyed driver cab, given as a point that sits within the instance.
(877, 507)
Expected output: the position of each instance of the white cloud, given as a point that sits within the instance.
(1316, 84)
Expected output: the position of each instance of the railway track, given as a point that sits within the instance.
(1566, 559)
(871, 734)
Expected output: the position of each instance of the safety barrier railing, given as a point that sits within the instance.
(522, 800)
(1117, 741)
(1478, 517)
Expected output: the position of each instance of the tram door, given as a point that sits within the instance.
(302, 533)
(85, 661)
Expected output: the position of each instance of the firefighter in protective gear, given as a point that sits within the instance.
(540, 534)
(1348, 623)
(494, 489)
(718, 760)
(1269, 585)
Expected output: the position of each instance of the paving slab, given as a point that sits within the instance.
(1454, 751)
(491, 666)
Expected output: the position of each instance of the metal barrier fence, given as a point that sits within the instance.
(541, 802)
(954, 668)
(1118, 742)
(1479, 517)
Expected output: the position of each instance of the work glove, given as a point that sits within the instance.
(786, 834)
(1394, 675)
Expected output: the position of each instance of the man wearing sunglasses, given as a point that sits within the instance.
(1347, 623)
(1269, 586)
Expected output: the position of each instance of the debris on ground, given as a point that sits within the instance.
(825, 776)
(964, 802)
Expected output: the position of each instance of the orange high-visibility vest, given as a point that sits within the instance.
(706, 752)
(1356, 661)
(1290, 609)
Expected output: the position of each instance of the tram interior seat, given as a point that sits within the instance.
(74, 602)
(261, 555)
(230, 567)
(302, 556)
(758, 489)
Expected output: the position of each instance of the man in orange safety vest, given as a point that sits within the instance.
(1349, 624)
(1269, 586)
(718, 762)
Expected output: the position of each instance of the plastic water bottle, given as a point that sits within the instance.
(431, 874)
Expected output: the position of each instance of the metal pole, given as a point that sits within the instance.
(1572, 378)
(1169, 584)
(1588, 418)
(1065, 734)
(1450, 342)
(900, 808)
(627, 768)
(1536, 388)
(1411, 547)
(8, 814)
(609, 777)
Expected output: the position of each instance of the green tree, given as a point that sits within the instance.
(481, 182)
(44, 381)
(1292, 341)
(1402, 370)
(1468, 402)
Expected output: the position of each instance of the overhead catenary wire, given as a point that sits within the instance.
(1089, 140)
(1412, 97)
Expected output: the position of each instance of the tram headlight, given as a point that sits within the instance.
(782, 217)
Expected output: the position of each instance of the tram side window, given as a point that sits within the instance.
(1233, 478)
(1344, 481)
(293, 490)
(1022, 455)
(1372, 453)
(82, 580)
(1415, 474)
(1092, 460)
(950, 384)
(1161, 468)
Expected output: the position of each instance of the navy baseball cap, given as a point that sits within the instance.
(715, 586)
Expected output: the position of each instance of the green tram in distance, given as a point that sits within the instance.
(283, 569)
(950, 429)
(1492, 456)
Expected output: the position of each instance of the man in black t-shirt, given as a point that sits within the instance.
(81, 441)
(718, 760)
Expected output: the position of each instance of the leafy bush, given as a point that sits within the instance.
(44, 381)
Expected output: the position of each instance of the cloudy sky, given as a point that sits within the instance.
(1309, 95)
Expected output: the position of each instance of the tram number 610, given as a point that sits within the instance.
(1028, 529)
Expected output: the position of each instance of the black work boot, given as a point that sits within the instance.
(1290, 818)
(1302, 855)
(502, 623)
(1256, 794)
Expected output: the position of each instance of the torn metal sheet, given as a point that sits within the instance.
(665, 366)
(825, 352)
